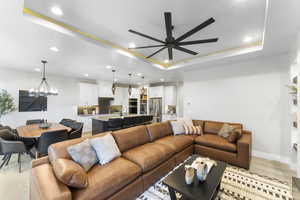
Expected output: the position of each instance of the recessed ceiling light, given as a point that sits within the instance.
(108, 67)
(248, 39)
(57, 11)
(162, 80)
(139, 74)
(55, 49)
(37, 69)
(86, 75)
(166, 61)
(131, 45)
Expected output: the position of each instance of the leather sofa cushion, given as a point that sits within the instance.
(149, 155)
(159, 130)
(214, 127)
(105, 180)
(177, 143)
(131, 137)
(216, 141)
(70, 173)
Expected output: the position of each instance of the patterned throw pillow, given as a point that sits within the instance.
(225, 130)
(83, 154)
(193, 130)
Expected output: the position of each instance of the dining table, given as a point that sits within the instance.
(34, 130)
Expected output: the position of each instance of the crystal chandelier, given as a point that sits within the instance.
(44, 88)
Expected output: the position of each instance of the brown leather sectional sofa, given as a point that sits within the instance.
(148, 153)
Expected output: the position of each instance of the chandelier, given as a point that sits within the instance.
(44, 88)
(143, 90)
(113, 87)
(130, 86)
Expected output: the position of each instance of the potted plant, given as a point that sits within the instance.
(7, 104)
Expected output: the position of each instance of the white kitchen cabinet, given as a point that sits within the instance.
(105, 89)
(155, 92)
(88, 94)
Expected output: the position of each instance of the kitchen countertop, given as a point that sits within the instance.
(106, 118)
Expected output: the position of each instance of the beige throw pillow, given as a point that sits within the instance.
(225, 130)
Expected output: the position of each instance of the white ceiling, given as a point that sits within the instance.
(24, 44)
(112, 19)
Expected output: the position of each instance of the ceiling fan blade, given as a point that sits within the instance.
(196, 29)
(198, 42)
(168, 21)
(185, 50)
(151, 46)
(156, 52)
(170, 52)
(146, 36)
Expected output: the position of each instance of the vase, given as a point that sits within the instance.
(201, 171)
(189, 175)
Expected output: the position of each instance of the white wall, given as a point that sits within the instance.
(62, 106)
(250, 92)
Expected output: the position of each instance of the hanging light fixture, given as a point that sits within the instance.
(143, 90)
(130, 86)
(44, 88)
(113, 87)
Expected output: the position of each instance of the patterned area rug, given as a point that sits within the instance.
(237, 184)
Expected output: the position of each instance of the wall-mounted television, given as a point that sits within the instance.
(30, 104)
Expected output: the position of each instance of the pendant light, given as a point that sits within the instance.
(143, 90)
(44, 88)
(130, 86)
(113, 87)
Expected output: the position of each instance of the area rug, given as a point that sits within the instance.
(237, 184)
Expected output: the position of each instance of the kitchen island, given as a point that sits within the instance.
(111, 123)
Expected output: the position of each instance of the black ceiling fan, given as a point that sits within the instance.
(172, 43)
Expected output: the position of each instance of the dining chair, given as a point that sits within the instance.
(34, 121)
(48, 138)
(8, 148)
(67, 122)
(77, 133)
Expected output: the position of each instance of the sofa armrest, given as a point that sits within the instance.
(244, 148)
(44, 185)
(39, 161)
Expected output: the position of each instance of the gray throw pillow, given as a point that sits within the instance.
(83, 154)
(106, 148)
(177, 127)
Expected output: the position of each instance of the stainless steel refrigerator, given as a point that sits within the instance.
(155, 109)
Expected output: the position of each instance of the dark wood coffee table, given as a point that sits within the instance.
(197, 190)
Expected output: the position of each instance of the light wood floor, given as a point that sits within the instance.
(272, 168)
(11, 181)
